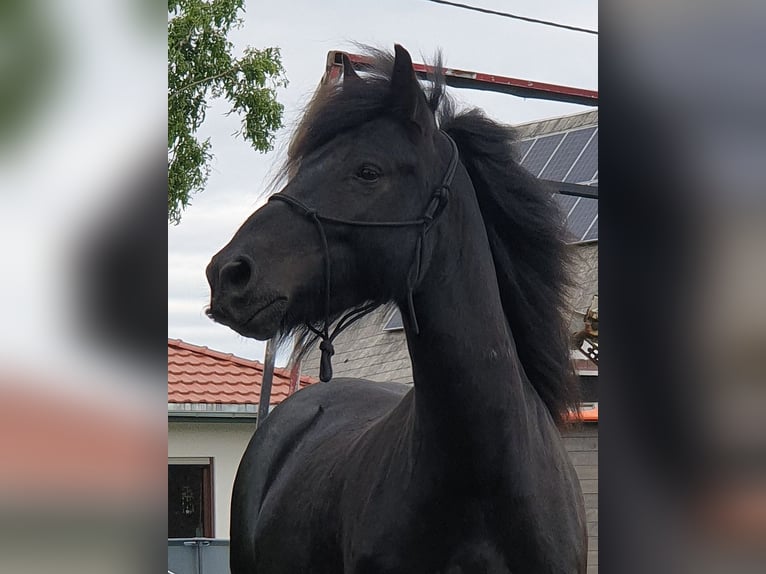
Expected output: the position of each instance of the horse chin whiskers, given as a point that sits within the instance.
(213, 315)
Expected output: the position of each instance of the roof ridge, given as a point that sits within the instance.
(282, 372)
(204, 350)
(560, 117)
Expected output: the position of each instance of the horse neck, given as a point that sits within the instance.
(470, 388)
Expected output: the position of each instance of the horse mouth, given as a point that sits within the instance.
(261, 324)
(275, 306)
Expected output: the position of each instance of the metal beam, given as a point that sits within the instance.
(268, 375)
(576, 189)
(480, 81)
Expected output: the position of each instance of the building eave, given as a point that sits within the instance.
(210, 411)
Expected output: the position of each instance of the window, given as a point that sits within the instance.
(190, 508)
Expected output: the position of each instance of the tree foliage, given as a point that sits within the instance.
(201, 66)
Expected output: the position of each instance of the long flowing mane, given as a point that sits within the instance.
(527, 237)
(524, 225)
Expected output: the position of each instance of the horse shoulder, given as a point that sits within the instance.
(296, 446)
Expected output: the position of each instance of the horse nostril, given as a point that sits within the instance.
(236, 273)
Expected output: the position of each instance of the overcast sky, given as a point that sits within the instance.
(305, 31)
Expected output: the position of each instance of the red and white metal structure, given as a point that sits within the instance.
(480, 81)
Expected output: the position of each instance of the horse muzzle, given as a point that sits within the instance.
(237, 302)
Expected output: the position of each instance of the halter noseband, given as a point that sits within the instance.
(434, 208)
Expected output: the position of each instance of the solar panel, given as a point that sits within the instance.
(522, 148)
(592, 233)
(566, 154)
(582, 216)
(566, 202)
(586, 166)
(541, 152)
(571, 157)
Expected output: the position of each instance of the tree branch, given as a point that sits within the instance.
(174, 93)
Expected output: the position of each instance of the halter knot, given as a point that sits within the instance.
(438, 200)
(326, 347)
(325, 361)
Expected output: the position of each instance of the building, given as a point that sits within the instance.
(212, 404)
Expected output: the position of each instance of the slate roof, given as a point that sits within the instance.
(199, 375)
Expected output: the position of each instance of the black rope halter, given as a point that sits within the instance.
(434, 208)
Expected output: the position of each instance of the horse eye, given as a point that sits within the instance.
(368, 173)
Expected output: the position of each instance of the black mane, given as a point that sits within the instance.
(336, 108)
(527, 236)
(524, 225)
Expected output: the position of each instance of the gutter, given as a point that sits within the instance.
(181, 412)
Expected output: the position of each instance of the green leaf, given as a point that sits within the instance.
(201, 67)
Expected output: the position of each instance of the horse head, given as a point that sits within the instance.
(363, 177)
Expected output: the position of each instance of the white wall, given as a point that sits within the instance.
(223, 442)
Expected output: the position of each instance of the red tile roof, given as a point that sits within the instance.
(201, 375)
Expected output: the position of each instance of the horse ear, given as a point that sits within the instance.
(349, 73)
(407, 97)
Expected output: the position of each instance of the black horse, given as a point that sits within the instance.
(392, 196)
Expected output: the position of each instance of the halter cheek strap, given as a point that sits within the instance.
(433, 209)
